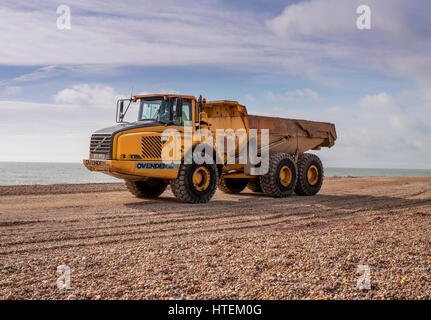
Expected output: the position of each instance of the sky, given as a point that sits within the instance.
(296, 59)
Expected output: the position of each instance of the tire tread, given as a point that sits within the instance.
(269, 180)
(180, 189)
(302, 188)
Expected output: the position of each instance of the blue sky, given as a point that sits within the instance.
(301, 59)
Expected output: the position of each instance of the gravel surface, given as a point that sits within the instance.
(244, 246)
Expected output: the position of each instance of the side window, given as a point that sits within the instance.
(148, 110)
(187, 112)
(186, 117)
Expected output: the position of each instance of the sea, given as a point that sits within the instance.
(44, 173)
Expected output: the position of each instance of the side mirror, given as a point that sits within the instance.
(121, 108)
(199, 104)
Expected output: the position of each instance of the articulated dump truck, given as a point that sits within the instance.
(132, 150)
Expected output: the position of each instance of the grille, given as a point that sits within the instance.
(100, 146)
(151, 147)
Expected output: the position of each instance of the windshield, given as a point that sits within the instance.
(165, 111)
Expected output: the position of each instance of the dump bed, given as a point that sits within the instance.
(302, 135)
(296, 128)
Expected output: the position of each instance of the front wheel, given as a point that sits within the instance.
(281, 177)
(310, 175)
(195, 183)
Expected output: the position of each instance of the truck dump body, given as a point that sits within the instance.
(302, 135)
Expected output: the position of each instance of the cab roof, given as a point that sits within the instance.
(222, 102)
(161, 95)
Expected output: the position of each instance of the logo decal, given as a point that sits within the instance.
(155, 165)
(100, 143)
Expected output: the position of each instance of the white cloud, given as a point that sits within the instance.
(308, 93)
(138, 34)
(87, 95)
(17, 105)
(382, 101)
(305, 39)
(249, 98)
(57, 131)
(41, 73)
(320, 19)
(416, 67)
(9, 91)
(290, 96)
(398, 43)
(77, 96)
(335, 21)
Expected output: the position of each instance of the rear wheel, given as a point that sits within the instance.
(310, 175)
(281, 177)
(195, 183)
(232, 185)
(151, 188)
(254, 185)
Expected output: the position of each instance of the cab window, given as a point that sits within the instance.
(186, 117)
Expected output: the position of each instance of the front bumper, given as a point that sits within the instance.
(133, 170)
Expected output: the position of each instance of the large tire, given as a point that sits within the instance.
(280, 179)
(151, 188)
(254, 185)
(310, 175)
(186, 189)
(232, 185)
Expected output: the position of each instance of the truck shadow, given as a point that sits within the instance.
(295, 213)
(351, 201)
(260, 203)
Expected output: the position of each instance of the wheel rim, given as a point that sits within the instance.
(201, 178)
(285, 176)
(312, 175)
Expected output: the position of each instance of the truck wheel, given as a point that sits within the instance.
(232, 185)
(310, 175)
(281, 177)
(195, 183)
(254, 185)
(151, 188)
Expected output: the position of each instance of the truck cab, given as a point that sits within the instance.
(115, 150)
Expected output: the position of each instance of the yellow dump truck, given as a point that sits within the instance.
(133, 150)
